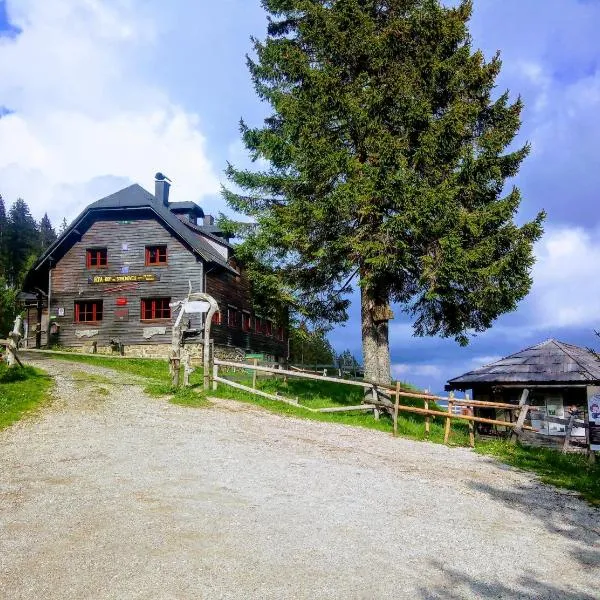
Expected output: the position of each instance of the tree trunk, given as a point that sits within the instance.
(375, 314)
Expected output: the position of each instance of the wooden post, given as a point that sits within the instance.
(524, 405)
(254, 371)
(215, 375)
(396, 405)
(471, 424)
(375, 397)
(568, 432)
(448, 419)
(427, 417)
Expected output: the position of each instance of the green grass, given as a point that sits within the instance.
(569, 471)
(21, 391)
(140, 367)
(324, 394)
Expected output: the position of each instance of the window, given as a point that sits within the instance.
(156, 255)
(89, 311)
(96, 258)
(156, 308)
(280, 334)
(216, 318)
(258, 324)
(268, 328)
(232, 317)
(246, 321)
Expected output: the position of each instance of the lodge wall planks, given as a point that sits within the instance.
(126, 243)
(231, 290)
(71, 283)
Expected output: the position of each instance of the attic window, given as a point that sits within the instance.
(96, 258)
(156, 255)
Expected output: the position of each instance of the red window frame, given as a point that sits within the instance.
(155, 309)
(258, 324)
(216, 318)
(246, 321)
(268, 327)
(280, 333)
(88, 311)
(232, 317)
(156, 255)
(96, 258)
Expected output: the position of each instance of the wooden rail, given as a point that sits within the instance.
(375, 404)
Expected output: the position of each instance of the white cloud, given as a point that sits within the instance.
(566, 289)
(86, 119)
(401, 370)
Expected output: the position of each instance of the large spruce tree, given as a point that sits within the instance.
(3, 235)
(23, 241)
(388, 156)
(47, 234)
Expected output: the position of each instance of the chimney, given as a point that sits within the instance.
(209, 220)
(161, 188)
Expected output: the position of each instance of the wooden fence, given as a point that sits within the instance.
(379, 399)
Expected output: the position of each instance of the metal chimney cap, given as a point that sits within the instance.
(160, 177)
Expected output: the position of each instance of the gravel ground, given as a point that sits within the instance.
(124, 496)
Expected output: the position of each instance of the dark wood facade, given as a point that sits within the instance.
(103, 289)
(126, 242)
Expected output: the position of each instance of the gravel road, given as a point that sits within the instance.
(118, 495)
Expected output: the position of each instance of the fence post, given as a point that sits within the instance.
(215, 375)
(567, 443)
(396, 405)
(376, 399)
(448, 419)
(427, 417)
(524, 405)
(255, 363)
(471, 424)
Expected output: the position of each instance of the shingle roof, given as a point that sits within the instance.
(548, 362)
(136, 197)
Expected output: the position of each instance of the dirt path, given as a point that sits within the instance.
(124, 496)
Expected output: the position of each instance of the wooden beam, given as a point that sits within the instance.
(235, 365)
(524, 408)
(245, 388)
(448, 419)
(335, 409)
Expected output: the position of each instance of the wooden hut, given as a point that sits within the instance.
(558, 377)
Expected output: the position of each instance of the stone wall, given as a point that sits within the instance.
(163, 351)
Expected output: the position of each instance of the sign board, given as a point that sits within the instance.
(60, 311)
(196, 306)
(593, 393)
(121, 301)
(124, 278)
(122, 314)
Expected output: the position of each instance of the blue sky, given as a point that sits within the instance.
(102, 93)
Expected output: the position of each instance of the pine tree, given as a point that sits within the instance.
(23, 241)
(47, 233)
(389, 158)
(63, 226)
(3, 234)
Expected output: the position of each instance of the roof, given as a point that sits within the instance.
(136, 197)
(548, 362)
(187, 207)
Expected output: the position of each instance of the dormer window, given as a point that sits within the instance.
(156, 255)
(96, 258)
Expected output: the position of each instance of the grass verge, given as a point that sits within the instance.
(570, 471)
(21, 391)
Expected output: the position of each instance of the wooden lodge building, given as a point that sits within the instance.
(107, 283)
(558, 377)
